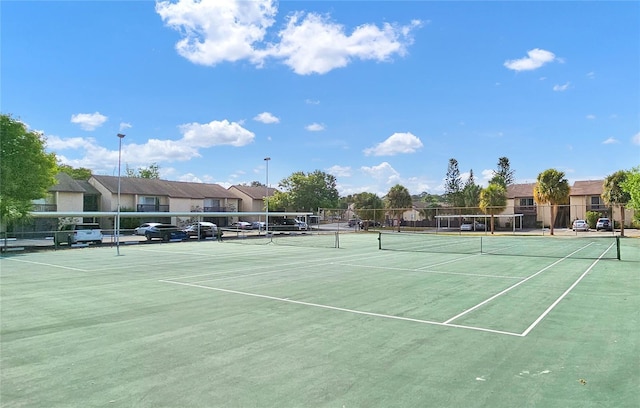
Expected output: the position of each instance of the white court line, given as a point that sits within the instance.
(341, 309)
(47, 264)
(566, 292)
(513, 286)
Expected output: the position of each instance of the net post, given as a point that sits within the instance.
(618, 246)
(379, 240)
(481, 246)
(337, 242)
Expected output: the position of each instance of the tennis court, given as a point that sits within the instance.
(325, 321)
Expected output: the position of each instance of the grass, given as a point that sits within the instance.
(208, 324)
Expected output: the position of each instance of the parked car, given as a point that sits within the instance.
(241, 225)
(353, 222)
(365, 224)
(580, 225)
(286, 224)
(165, 232)
(80, 232)
(604, 224)
(473, 226)
(302, 226)
(203, 229)
(143, 227)
(259, 225)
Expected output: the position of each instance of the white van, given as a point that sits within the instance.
(82, 232)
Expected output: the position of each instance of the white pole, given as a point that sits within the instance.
(120, 137)
(266, 228)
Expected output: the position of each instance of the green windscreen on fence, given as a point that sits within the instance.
(535, 246)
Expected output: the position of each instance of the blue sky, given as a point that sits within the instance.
(376, 93)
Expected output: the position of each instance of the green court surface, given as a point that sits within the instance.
(435, 322)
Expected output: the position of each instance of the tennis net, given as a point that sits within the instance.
(329, 239)
(554, 247)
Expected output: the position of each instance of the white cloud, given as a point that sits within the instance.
(216, 133)
(190, 177)
(196, 136)
(383, 171)
(89, 121)
(312, 102)
(561, 88)
(313, 44)
(535, 59)
(487, 174)
(217, 31)
(57, 143)
(591, 117)
(314, 127)
(124, 126)
(339, 171)
(591, 75)
(235, 30)
(266, 117)
(636, 139)
(611, 140)
(395, 144)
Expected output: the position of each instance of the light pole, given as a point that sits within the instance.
(120, 137)
(266, 224)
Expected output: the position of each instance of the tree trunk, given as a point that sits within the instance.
(621, 220)
(492, 224)
(554, 211)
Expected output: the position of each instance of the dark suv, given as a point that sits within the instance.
(604, 224)
(165, 232)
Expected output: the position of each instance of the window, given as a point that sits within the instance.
(526, 202)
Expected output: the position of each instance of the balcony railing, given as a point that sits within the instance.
(215, 209)
(152, 208)
(597, 207)
(526, 209)
(45, 207)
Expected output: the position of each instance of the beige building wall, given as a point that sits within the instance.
(69, 201)
(578, 207)
(105, 196)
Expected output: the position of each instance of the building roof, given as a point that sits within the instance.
(255, 192)
(587, 188)
(520, 190)
(66, 184)
(88, 188)
(158, 187)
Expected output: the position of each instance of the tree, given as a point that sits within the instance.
(503, 175)
(397, 201)
(306, 192)
(26, 169)
(493, 200)
(631, 185)
(453, 185)
(368, 206)
(614, 195)
(80, 173)
(471, 192)
(551, 188)
(151, 172)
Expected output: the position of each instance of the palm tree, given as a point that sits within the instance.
(613, 194)
(397, 200)
(551, 188)
(493, 200)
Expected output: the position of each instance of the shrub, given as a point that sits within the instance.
(592, 218)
